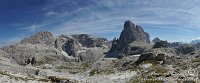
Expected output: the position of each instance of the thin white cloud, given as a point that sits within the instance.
(51, 13)
(31, 28)
(108, 16)
(196, 38)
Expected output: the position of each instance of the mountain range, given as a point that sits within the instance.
(83, 58)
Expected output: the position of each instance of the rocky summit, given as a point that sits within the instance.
(155, 40)
(40, 38)
(130, 34)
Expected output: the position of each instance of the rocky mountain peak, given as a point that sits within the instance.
(128, 25)
(40, 38)
(132, 33)
(155, 40)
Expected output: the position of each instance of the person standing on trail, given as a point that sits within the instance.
(33, 61)
(28, 61)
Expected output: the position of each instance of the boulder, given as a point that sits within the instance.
(161, 44)
(160, 57)
(146, 56)
(151, 56)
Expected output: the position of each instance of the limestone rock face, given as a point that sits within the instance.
(129, 34)
(43, 48)
(75, 44)
(40, 38)
(2, 53)
(5, 59)
(132, 33)
(42, 53)
(87, 56)
(71, 47)
(61, 41)
(185, 49)
(115, 44)
(88, 41)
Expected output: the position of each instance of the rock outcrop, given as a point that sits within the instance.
(160, 57)
(115, 45)
(146, 56)
(151, 57)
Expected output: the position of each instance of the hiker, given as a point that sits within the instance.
(28, 61)
(33, 61)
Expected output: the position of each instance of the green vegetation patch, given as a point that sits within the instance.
(196, 60)
(142, 80)
(106, 71)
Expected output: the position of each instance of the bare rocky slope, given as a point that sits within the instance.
(82, 58)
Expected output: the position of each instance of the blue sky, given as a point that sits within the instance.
(172, 20)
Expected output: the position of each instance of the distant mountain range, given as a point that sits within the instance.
(195, 41)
